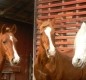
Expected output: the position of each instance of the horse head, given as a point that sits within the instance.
(47, 37)
(7, 44)
(79, 59)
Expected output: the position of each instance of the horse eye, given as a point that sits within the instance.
(4, 42)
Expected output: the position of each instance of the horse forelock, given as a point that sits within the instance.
(44, 25)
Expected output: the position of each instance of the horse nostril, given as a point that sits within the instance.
(78, 60)
(47, 50)
(13, 61)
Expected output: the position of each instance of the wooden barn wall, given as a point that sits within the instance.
(69, 15)
(24, 35)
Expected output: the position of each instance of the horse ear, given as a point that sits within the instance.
(14, 29)
(82, 29)
(83, 26)
(39, 22)
(3, 28)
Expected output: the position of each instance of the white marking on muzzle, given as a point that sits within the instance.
(51, 46)
(16, 58)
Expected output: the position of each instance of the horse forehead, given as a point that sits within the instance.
(11, 37)
(47, 30)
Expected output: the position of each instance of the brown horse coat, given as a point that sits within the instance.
(58, 67)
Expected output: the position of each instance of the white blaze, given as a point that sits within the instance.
(51, 46)
(16, 56)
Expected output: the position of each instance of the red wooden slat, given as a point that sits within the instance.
(61, 10)
(64, 37)
(66, 31)
(60, 42)
(63, 15)
(38, 37)
(64, 42)
(66, 25)
(71, 20)
(61, 4)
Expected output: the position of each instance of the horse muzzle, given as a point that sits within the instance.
(15, 61)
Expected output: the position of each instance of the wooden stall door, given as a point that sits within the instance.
(9, 73)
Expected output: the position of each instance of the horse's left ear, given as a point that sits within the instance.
(3, 28)
(39, 23)
(14, 29)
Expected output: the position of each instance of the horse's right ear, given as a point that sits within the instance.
(82, 29)
(39, 22)
(83, 26)
(3, 28)
(14, 29)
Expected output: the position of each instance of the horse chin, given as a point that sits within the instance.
(79, 65)
(11, 64)
(51, 55)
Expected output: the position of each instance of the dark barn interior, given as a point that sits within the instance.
(21, 13)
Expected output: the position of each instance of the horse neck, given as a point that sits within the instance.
(41, 58)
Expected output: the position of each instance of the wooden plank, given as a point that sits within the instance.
(8, 69)
(64, 42)
(62, 10)
(71, 20)
(66, 25)
(60, 4)
(46, 1)
(38, 37)
(64, 37)
(60, 37)
(66, 31)
(64, 48)
(62, 15)
(37, 42)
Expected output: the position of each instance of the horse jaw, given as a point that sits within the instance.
(79, 59)
(52, 50)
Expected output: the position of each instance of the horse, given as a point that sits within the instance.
(79, 58)
(8, 51)
(49, 63)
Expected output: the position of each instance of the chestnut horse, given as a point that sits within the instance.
(49, 63)
(7, 47)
